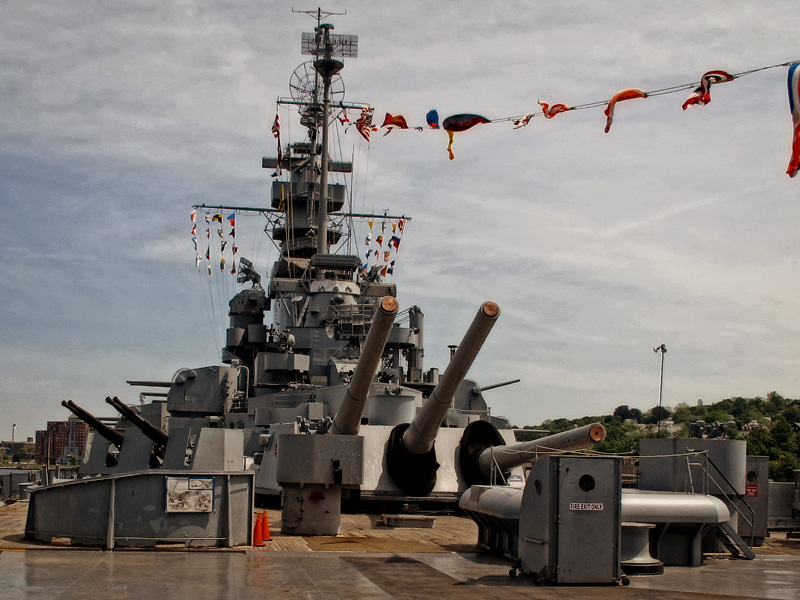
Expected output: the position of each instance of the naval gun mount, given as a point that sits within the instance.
(312, 468)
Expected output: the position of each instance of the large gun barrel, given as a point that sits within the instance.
(484, 453)
(348, 418)
(420, 435)
(410, 455)
(505, 458)
(147, 428)
(112, 435)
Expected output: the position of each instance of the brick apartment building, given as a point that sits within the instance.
(64, 439)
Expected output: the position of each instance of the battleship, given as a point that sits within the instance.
(328, 402)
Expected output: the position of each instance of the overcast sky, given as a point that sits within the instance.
(676, 227)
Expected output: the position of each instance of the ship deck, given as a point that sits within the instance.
(367, 560)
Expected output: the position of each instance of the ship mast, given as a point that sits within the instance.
(325, 47)
(327, 67)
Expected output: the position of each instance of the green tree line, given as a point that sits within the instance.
(770, 425)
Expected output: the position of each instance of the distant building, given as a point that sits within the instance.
(748, 427)
(667, 425)
(16, 446)
(61, 440)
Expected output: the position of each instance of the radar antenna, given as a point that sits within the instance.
(319, 14)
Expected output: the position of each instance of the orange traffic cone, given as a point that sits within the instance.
(265, 536)
(258, 538)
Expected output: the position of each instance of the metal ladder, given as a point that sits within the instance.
(733, 542)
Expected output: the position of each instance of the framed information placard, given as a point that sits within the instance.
(189, 494)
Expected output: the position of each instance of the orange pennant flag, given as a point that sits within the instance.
(628, 94)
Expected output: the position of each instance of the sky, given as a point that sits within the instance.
(676, 227)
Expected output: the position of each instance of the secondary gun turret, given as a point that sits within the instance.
(348, 419)
(483, 452)
(112, 435)
(151, 431)
(411, 456)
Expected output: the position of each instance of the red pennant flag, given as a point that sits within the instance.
(794, 106)
(398, 121)
(276, 128)
(364, 123)
(551, 111)
(276, 132)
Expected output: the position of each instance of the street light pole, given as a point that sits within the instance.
(663, 349)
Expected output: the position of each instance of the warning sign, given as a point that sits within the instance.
(751, 490)
(586, 506)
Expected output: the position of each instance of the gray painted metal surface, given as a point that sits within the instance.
(781, 515)
(754, 525)
(677, 464)
(649, 506)
(12, 482)
(145, 509)
(569, 525)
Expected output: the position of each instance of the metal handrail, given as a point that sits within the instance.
(496, 469)
(723, 492)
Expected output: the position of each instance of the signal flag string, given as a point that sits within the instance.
(700, 96)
